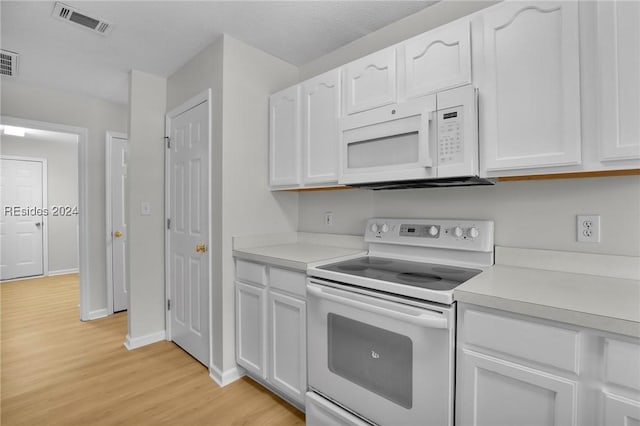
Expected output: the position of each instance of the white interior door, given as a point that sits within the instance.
(21, 219)
(118, 176)
(189, 230)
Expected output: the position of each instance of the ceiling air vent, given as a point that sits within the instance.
(8, 63)
(67, 13)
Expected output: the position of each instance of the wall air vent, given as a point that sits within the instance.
(8, 63)
(71, 14)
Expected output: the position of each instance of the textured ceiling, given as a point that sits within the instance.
(160, 36)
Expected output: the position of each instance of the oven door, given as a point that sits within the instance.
(387, 362)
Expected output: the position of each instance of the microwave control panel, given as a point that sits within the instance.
(451, 135)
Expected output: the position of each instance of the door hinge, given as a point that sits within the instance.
(168, 304)
(168, 139)
(168, 223)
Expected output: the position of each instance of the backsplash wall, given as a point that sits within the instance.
(527, 214)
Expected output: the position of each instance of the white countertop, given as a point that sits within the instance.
(298, 250)
(589, 290)
(297, 256)
(595, 301)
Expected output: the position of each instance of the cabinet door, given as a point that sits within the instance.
(288, 343)
(251, 351)
(437, 60)
(496, 392)
(529, 83)
(284, 138)
(619, 79)
(370, 82)
(620, 411)
(321, 135)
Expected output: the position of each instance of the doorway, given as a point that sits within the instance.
(23, 183)
(78, 210)
(116, 155)
(188, 210)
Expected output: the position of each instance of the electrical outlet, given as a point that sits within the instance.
(328, 219)
(588, 228)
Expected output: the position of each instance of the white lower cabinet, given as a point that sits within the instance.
(519, 370)
(620, 411)
(497, 392)
(250, 328)
(288, 342)
(271, 328)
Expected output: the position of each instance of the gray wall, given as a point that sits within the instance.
(98, 116)
(62, 182)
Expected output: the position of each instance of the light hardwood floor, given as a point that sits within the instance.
(57, 370)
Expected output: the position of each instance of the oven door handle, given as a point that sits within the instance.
(420, 318)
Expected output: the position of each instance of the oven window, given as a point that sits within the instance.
(376, 359)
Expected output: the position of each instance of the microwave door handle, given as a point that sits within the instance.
(426, 160)
(424, 319)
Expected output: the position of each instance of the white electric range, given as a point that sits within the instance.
(381, 328)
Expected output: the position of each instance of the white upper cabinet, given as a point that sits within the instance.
(618, 33)
(434, 61)
(370, 82)
(321, 135)
(284, 138)
(526, 54)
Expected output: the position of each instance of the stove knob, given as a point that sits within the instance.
(374, 227)
(433, 231)
(457, 231)
(385, 227)
(473, 232)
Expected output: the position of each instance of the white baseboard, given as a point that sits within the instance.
(137, 342)
(226, 377)
(98, 313)
(63, 272)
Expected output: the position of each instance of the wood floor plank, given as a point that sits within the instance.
(57, 370)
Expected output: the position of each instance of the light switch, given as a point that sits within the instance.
(145, 208)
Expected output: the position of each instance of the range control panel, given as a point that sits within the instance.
(474, 235)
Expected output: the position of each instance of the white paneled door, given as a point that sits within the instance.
(188, 233)
(119, 223)
(21, 218)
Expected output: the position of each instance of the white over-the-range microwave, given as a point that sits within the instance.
(429, 141)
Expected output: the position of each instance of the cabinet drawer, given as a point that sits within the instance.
(289, 281)
(251, 272)
(622, 363)
(541, 343)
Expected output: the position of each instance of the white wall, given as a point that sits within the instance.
(98, 116)
(529, 214)
(145, 178)
(62, 190)
(241, 79)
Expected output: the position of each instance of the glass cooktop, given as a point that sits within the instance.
(417, 274)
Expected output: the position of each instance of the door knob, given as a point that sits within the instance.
(38, 224)
(201, 248)
(117, 234)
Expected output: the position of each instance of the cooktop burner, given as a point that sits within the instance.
(416, 274)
